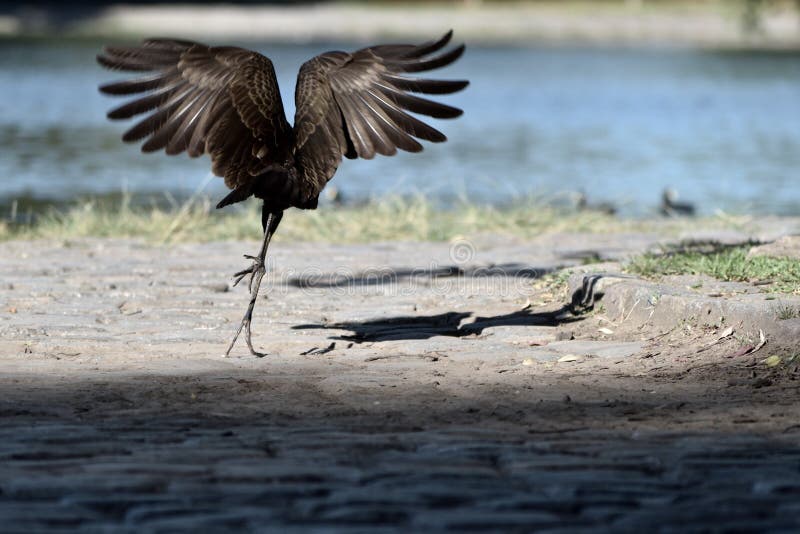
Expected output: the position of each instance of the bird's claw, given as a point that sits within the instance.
(239, 276)
(257, 266)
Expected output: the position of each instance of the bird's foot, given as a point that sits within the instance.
(245, 324)
(254, 269)
(256, 272)
(247, 336)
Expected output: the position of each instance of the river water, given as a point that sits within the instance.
(619, 125)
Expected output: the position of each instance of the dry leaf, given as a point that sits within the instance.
(568, 358)
(762, 340)
(728, 332)
(749, 349)
(606, 331)
(527, 361)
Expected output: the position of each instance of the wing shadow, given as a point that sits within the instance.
(444, 324)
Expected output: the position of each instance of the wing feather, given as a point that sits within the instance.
(356, 126)
(140, 85)
(221, 101)
(184, 132)
(381, 141)
(399, 137)
(371, 97)
(413, 65)
(163, 98)
(416, 104)
(419, 85)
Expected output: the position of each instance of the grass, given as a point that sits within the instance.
(552, 287)
(785, 312)
(412, 218)
(729, 264)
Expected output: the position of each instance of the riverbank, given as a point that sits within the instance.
(695, 24)
(414, 218)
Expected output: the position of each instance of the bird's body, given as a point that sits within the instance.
(225, 102)
(672, 207)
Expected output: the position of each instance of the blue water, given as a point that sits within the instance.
(619, 125)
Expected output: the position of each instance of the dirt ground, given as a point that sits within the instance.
(407, 386)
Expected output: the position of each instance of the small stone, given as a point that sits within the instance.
(218, 288)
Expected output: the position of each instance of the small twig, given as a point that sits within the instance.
(658, 336)
(630, 312)
(317, 350)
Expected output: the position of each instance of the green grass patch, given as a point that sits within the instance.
(728, 264)
(785, 312)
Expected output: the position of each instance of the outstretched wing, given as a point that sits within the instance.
(222, 101)
(355, 105)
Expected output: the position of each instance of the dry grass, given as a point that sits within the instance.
(387, 219)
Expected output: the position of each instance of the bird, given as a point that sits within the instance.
(224, 101)
(672, 207)
(582, 204)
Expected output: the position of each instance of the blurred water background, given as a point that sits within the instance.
(618, 124)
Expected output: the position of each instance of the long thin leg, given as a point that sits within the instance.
(269, 221)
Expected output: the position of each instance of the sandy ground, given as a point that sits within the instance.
(407, 357)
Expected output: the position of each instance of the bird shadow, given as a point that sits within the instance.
(452, 324)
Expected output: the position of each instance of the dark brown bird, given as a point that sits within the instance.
(224, 102)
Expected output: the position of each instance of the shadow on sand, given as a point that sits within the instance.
(444, 324)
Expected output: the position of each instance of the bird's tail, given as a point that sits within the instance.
(237, 195)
